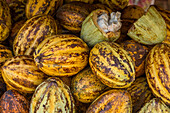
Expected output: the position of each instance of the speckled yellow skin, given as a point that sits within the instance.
(112, 101)
(115, 5)
(158, 72)
(36, 7)
(52, 96)
(20, 73)
(155, 106)
(86, 86)
(140, 93)
(32, 33)
(112, 65)
(62, 55)
(5, 18)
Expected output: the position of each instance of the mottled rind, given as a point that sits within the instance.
(91, 32)
(112, 101)
(5, 54)
(115, 5)
(155, 106)
(5, 20)
(140, 93)
(86, 86)
(62, 55)
(85, 1)
(20, 73)
(13, 102)
(52, 96)
(32, 33)
(71, 16)
(150, 29)
(47, 7)
(112, 65)
(157, 71)
(138, 52)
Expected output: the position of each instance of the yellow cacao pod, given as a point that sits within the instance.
(112, 101)
(20, 73)
(52, 96)
(62, 55)
(85, 1)
(157, 71)
(112, 65)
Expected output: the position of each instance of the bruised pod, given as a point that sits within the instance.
(32, 33)
(158, 71)
(112, 65)
(112, 101)
(61, 55)
(52, 96)
(13, 102)
(20, 73)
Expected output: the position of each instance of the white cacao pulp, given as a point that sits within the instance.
(112, 24)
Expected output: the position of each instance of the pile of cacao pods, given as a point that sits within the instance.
(83, 56)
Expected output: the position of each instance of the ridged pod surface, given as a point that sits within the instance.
(52, 96)
(138, 52)
(5, 54)
(86, 86)
(5, 20)
(62, 55)
(71, 16)
(155, 106)
(112, 65)
(47, 7)
(150, 29)
(32, 33)
(112, 101)
(140, 93)
(20, 73)
(100, 6)
(115, 4)
(13, 102)
(17, 10)
(157, 71)
(85, 1)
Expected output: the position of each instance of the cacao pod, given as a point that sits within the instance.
(61, 55)
(155, 106)
(34, 31)
(112, 101)
(157, 71)
(40, 7)
(52, 96)
(13, 102)
(5, 18)
(112, 65)
(86, 86)
(85, 1)
(20, 73)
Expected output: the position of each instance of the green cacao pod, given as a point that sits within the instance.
(96, 29)
(47, 7)
(158, 71)
(150, 29)
(13, 102)
(20, 73)
(138, 52)
(115, 4)
(86, 86)
(112, 101)
(17, 9)
(155, 106)
(5, 54)
(140, 93)
(61, 55)
(34, 31)
(52, 96)
(71, 16)
(5, 18)
(112, 65)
